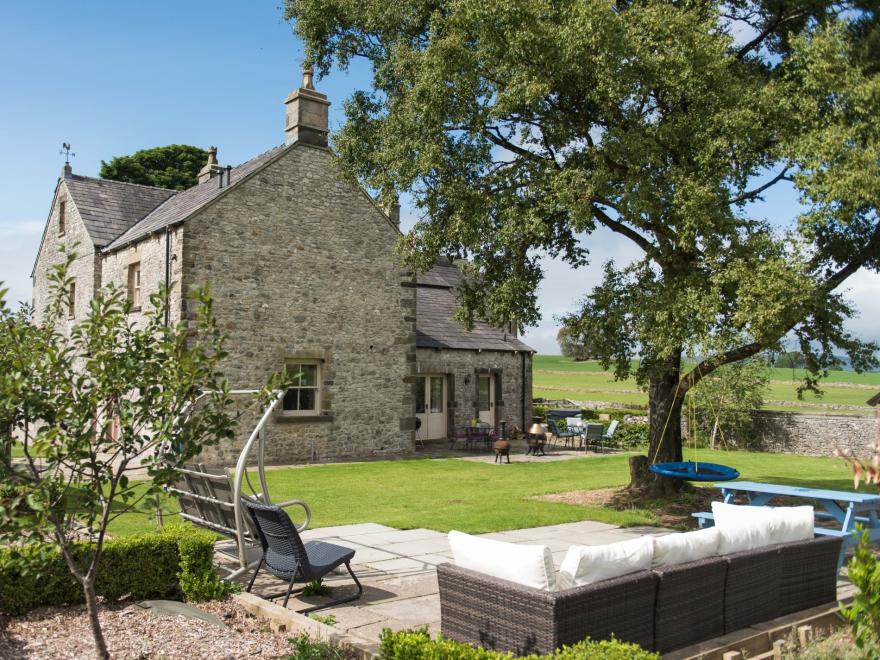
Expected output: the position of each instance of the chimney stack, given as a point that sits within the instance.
(307, 113)
(393, 212)
(212, 168)
(66, 171)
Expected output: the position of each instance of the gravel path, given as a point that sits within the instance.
(131, 632)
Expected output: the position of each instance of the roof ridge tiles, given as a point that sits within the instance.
(101, 179)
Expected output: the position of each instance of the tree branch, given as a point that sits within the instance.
(751, 194)
(871, 248)
(709, 365)
(497, 139)
(623, 230)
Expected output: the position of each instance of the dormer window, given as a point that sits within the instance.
(62, 217)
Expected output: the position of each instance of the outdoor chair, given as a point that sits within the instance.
(608, 436)
(567, 436)
(288, 558)
(593, 434)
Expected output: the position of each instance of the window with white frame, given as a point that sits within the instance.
(303, 397)
(134, 285)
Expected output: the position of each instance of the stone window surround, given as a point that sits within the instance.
(320, 358)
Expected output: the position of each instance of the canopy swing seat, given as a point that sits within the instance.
(218, 502)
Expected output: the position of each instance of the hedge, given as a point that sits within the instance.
(418, 645)
(175, 562)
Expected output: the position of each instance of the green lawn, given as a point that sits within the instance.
(446, 494)
(556, 377)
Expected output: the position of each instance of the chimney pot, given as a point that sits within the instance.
(212, 167)
(307, 113)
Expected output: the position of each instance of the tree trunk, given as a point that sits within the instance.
(88, 586)
(664, 421)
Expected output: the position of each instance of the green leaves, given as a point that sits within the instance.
(864, 611)
(175, 166)
(521, 128)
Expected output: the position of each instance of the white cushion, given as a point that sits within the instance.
(530, 565)
(573, 422)
(672, 549)
(586, 564)
(743, 536)
(786, 523)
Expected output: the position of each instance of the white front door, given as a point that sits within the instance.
(431, 407)
(486, 399)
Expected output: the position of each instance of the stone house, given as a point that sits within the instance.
(304, 274)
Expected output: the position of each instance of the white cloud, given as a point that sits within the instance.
(863, 290)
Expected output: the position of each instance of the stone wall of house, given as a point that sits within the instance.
(86, 269)
(150, 253)
(302, 266)
(813, 435)
(513, 372)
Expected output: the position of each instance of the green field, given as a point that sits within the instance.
(556, 377)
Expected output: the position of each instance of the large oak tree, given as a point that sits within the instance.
(521, 127)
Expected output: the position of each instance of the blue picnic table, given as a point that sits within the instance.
(847, 508)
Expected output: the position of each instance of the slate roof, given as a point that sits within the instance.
(109, 208)
(184, 204)
(436, 326)
(874, 400)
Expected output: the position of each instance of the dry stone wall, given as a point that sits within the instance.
(814, 435)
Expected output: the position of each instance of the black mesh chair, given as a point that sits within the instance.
(288, 558)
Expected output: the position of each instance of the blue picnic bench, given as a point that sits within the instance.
(845, 507)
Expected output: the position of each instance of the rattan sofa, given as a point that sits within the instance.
(661, 610)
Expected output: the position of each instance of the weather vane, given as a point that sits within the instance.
(65, 151)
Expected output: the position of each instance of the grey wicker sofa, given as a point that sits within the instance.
(661, 610)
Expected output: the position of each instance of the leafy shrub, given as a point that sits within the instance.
(306, 648)
(539, 411)
(587, 414)
(864, 612)
(630, 435)
(198, 578)
(174, 562)
(418, 645)
(838, 645)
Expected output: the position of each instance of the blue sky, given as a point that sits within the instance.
(115, 77)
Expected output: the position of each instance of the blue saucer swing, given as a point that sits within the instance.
(695, 471)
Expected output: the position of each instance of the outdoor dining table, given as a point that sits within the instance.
(846, 508)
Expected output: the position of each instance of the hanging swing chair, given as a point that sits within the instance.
(693, 470)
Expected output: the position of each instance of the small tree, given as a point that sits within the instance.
(175, 166)
(571, 346)
(95, 403)
(723, 401)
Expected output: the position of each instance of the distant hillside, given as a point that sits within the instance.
(845, 391)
